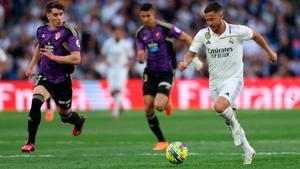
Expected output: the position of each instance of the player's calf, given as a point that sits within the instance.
(78, 126)
(233, 126)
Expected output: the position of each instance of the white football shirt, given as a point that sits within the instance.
(224, 53)
(3, 56)
(117, 53)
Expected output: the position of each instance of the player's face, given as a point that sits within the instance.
(214, 20)
(119, 33)
(147, 18)
(56, 17)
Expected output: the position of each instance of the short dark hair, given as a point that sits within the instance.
(213, 7)
(114, 28)
(146, 7)
(54, 4)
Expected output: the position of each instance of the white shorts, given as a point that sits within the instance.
(229, 89)
(117, 78)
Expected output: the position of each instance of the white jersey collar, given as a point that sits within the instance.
(227, 31)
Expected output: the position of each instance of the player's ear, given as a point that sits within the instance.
(153, 13)
(221, 14)
(48, 16)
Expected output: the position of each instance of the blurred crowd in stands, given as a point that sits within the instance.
(277, 20)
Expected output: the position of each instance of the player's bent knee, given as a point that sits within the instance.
(149, 111)
(64, 115)
(221, 104)
(220, 108)
(159, 107)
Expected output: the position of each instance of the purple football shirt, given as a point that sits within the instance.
(158, 42)
(60, 42)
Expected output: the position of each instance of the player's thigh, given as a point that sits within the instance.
(161, 101)
(120, 80)
(165, 83)
(111, 78)
(43, 87)
(123, 77)
(220, 103)
(149, 104)
(231, 91)
(149, 84)
(163, 91)
(41, 90)
(62, 96)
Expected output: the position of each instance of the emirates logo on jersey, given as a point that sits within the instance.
(57, 35)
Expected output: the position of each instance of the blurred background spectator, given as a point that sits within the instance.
(277, 20)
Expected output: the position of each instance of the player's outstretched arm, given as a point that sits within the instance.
(187, 59)
(258, 38)
(74, 58)
(34, 61)
(186, 38)
(141, 56)
(197, 64)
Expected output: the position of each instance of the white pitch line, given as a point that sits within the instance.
(29, 156)
(149, 154)
(129, 142)
(228, 154)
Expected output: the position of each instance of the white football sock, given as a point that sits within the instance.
(234, 126)
(229, 117)
(117, 105)
(245, 144)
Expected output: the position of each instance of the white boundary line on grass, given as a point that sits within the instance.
(229, 154)
(129, 142)
(149, 154)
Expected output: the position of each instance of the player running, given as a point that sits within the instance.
(117, 51)
(58, 50)
(224, 51)
(154, 41)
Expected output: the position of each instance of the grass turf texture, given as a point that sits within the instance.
(127, 143)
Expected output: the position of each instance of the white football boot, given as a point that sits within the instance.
(249, 155)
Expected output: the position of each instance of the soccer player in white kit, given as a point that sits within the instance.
(224, 50)
(3, 61)
(117, 51)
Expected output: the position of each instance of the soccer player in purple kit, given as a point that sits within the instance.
(58, 50)
(154, 41)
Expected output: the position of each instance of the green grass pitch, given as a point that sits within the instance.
(127, 143)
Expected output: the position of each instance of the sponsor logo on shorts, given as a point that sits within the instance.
(64, 102)
(166, 84)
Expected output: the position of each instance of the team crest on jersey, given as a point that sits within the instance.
(57, 35)
(43, 35)
(231, 40)
(158, 34)
(207, 35)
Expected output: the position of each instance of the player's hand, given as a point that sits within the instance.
(30, 73)
(47, 53)
(272, 56)
(182, 66)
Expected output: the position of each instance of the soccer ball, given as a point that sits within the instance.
(176, 152)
